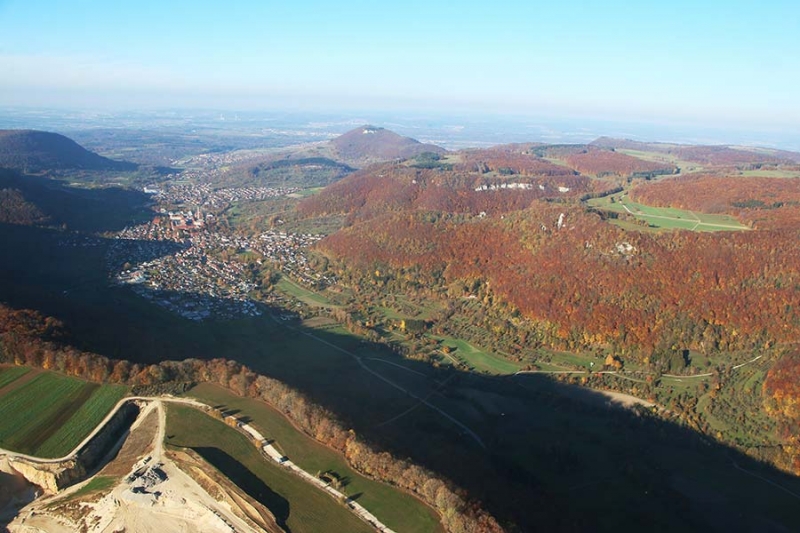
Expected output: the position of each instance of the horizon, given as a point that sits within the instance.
(450, 130)
(613, 62)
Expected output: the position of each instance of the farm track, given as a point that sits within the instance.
(466, 430)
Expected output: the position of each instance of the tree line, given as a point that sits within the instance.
(782, 402)
(30, 339)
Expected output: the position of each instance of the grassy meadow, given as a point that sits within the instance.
(667, 218)
(397, 509)
(294, 502)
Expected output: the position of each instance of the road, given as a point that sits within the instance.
(74, 453)
(622, 374)
(157, 455)
(474, 436)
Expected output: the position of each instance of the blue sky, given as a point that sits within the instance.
(734, 62)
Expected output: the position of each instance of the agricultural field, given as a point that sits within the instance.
(661, 157)
(85, 419)
(770, 173)
(9, 374)
(668, 218)
(296, 505)
(566, 360)
(477, 359)
(50, 414)
(395, 508)
(313, 299)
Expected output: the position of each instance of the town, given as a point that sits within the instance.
(186, 263)
(182, 193)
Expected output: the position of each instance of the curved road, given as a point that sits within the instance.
(157, 402)
(71, 455)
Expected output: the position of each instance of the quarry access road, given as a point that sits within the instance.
(74, 453)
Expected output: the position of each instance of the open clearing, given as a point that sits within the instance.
(292, 501)
(477, 359)
(770, 173)
(50, 414)
(289, 287)
(661, 157)
(668, 217)
(393, 507)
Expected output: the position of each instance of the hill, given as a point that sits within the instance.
(35, 200)
(291, 170)
(370, 144)
(506, 218)
(716, 155)
(599, 162)
(38, 151)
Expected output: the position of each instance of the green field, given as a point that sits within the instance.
(50, 414)
(395, 508)
(310, 192)
(569, 359)
(96, 484)
(85, 419)
(667, 217)
(772, 173)
(478, 359)
(660, 157)
(294, 502)
(10, 374)
(289, 287)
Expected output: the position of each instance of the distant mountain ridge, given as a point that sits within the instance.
(705, 154)
(370, 143)
(38, 151)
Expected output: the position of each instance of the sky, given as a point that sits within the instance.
(707, 61)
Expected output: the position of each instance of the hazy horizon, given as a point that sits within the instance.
(450, 130)
(720, 65)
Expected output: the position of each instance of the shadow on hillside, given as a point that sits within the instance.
(248, 482)
(90, 210)
(554, 457)
(15, 493)
(587, 463)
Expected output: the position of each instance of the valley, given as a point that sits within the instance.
(468, 313)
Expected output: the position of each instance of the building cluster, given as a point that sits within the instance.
(499, 186)
(194, 285)
(203, 195)
(183, 261)
(186, 220)
(289, 251)
(202, 276)
(214, 160)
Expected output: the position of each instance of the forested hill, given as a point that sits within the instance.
(506, 218)
(38, 151)
(703, 154)
(36, 200)
(369, 144)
